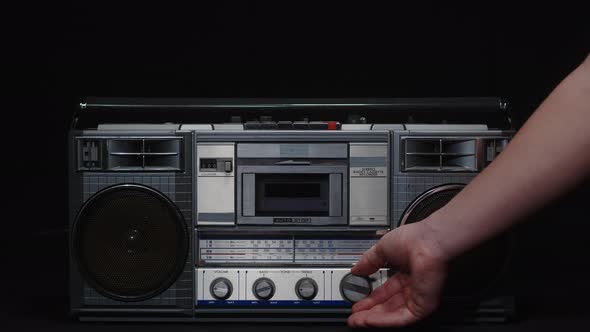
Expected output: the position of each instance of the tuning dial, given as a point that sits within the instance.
(354, 288)
(263, 289)
(306, 288)
(221, 289)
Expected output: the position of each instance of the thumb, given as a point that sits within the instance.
(371, 261)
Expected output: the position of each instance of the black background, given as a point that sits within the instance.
(280, 49)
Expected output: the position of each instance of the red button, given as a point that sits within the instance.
(332, 125)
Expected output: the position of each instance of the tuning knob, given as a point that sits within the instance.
(306, 288)
(221, 289)
(263, 289)
(354, 288)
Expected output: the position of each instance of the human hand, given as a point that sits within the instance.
(413, 292)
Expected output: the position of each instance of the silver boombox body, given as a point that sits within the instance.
(254, 218)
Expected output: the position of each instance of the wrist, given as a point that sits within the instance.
(435, 235)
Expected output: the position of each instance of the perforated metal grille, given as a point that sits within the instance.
(409, 186)
(473, 273)
(430, 204)
(131, 242)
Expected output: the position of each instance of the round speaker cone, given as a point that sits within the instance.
(130, 242)
(470, 275)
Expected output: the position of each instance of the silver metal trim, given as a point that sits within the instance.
(247, 199)
(336, 200)
(215, 223)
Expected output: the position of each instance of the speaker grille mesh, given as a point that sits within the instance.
(130, 242)
(473, 273)
(430, 204)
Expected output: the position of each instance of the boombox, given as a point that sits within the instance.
(255, 209)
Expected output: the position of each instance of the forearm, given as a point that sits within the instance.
(548, 156)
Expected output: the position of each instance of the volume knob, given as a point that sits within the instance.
(263, 289)
(306, 288)
(354, 288)
(221, 289)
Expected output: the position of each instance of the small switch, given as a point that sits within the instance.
(228, 166)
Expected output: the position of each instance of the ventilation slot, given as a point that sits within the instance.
(162, 154)
(125, 154)
(145, 154)
(458, 155)
(439, 155)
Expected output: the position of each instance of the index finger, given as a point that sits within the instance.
(371, 261)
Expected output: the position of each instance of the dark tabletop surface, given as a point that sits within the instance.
(549, 312)
(546, 317)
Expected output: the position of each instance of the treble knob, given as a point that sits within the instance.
(306, 288)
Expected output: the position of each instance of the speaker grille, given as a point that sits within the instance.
(130, 242)
(472, 274)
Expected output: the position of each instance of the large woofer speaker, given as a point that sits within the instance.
(475, 273)
(130, 242)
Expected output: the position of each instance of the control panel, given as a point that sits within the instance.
(283, 287)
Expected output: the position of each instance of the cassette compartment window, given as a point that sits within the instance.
(292, 183)
(292, 195)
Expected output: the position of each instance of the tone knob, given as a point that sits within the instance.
(221, 289)
(354, 288)
(263, 289)
(306, 289)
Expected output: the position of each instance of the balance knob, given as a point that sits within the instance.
(354, 288)
(221, 289)
(306, 289)
(263, 289)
